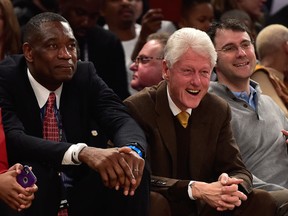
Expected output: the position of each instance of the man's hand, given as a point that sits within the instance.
(222, 195)
(12, 193)
(151, 23)
(136, 163)
(114, 166)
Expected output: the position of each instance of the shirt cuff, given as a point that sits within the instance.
(190, 190)
(71, 155)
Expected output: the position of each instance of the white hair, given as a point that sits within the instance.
(183, 39)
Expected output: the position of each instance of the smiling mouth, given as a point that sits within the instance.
(193, 92)
(241, 64)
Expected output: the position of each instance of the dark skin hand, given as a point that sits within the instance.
(136, 163)
(115, 167)
(151, 23)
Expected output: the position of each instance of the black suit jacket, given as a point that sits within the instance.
(106, 52)
(86, 104)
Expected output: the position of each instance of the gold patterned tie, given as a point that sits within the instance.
(183, 118)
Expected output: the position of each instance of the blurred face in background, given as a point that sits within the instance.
(253, 7)
(122, 12)
(81, 14)
(147, 67)
(199, 16)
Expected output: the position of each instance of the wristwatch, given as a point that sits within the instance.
(137, 148)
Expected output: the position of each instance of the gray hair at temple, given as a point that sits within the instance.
(189, 38)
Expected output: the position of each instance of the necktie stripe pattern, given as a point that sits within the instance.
(183, 118)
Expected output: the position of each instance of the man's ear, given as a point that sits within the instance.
(27, 51)
(165, 69)
(286, 47)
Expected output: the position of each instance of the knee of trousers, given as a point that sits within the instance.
(263, 201)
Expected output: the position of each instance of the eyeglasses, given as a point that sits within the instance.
(145, 59)
(232, 48)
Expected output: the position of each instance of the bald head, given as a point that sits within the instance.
(271, 40)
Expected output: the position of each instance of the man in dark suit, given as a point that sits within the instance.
(96, 44)
(197, 166)
(73, 168)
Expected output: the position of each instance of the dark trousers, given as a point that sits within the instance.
(87, 197)
(259, 203)
(91, 198)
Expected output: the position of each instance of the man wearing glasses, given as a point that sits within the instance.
(195, 162)
(257, 121)
(147, 67)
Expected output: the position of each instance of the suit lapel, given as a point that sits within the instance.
(28, 101)
(199, 146)
(165, 123)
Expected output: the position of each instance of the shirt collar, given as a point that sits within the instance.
(250, 99)
(42, 93)
(175, 110)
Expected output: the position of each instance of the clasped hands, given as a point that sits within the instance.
(222, 195)
(118, 167)
(12, 193)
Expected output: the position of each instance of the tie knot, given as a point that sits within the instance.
(51, 100)
(183, 118)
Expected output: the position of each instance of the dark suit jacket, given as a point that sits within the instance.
(106, 52)
(86, 104)
(212, 147)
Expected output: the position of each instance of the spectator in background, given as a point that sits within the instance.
(26, 9)
(96, 44)
(147, 66)
(280, 17)
(120, 17)
(272, 69)
(255, 9)
(197, 14)
(274, 6)
(10, 42)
